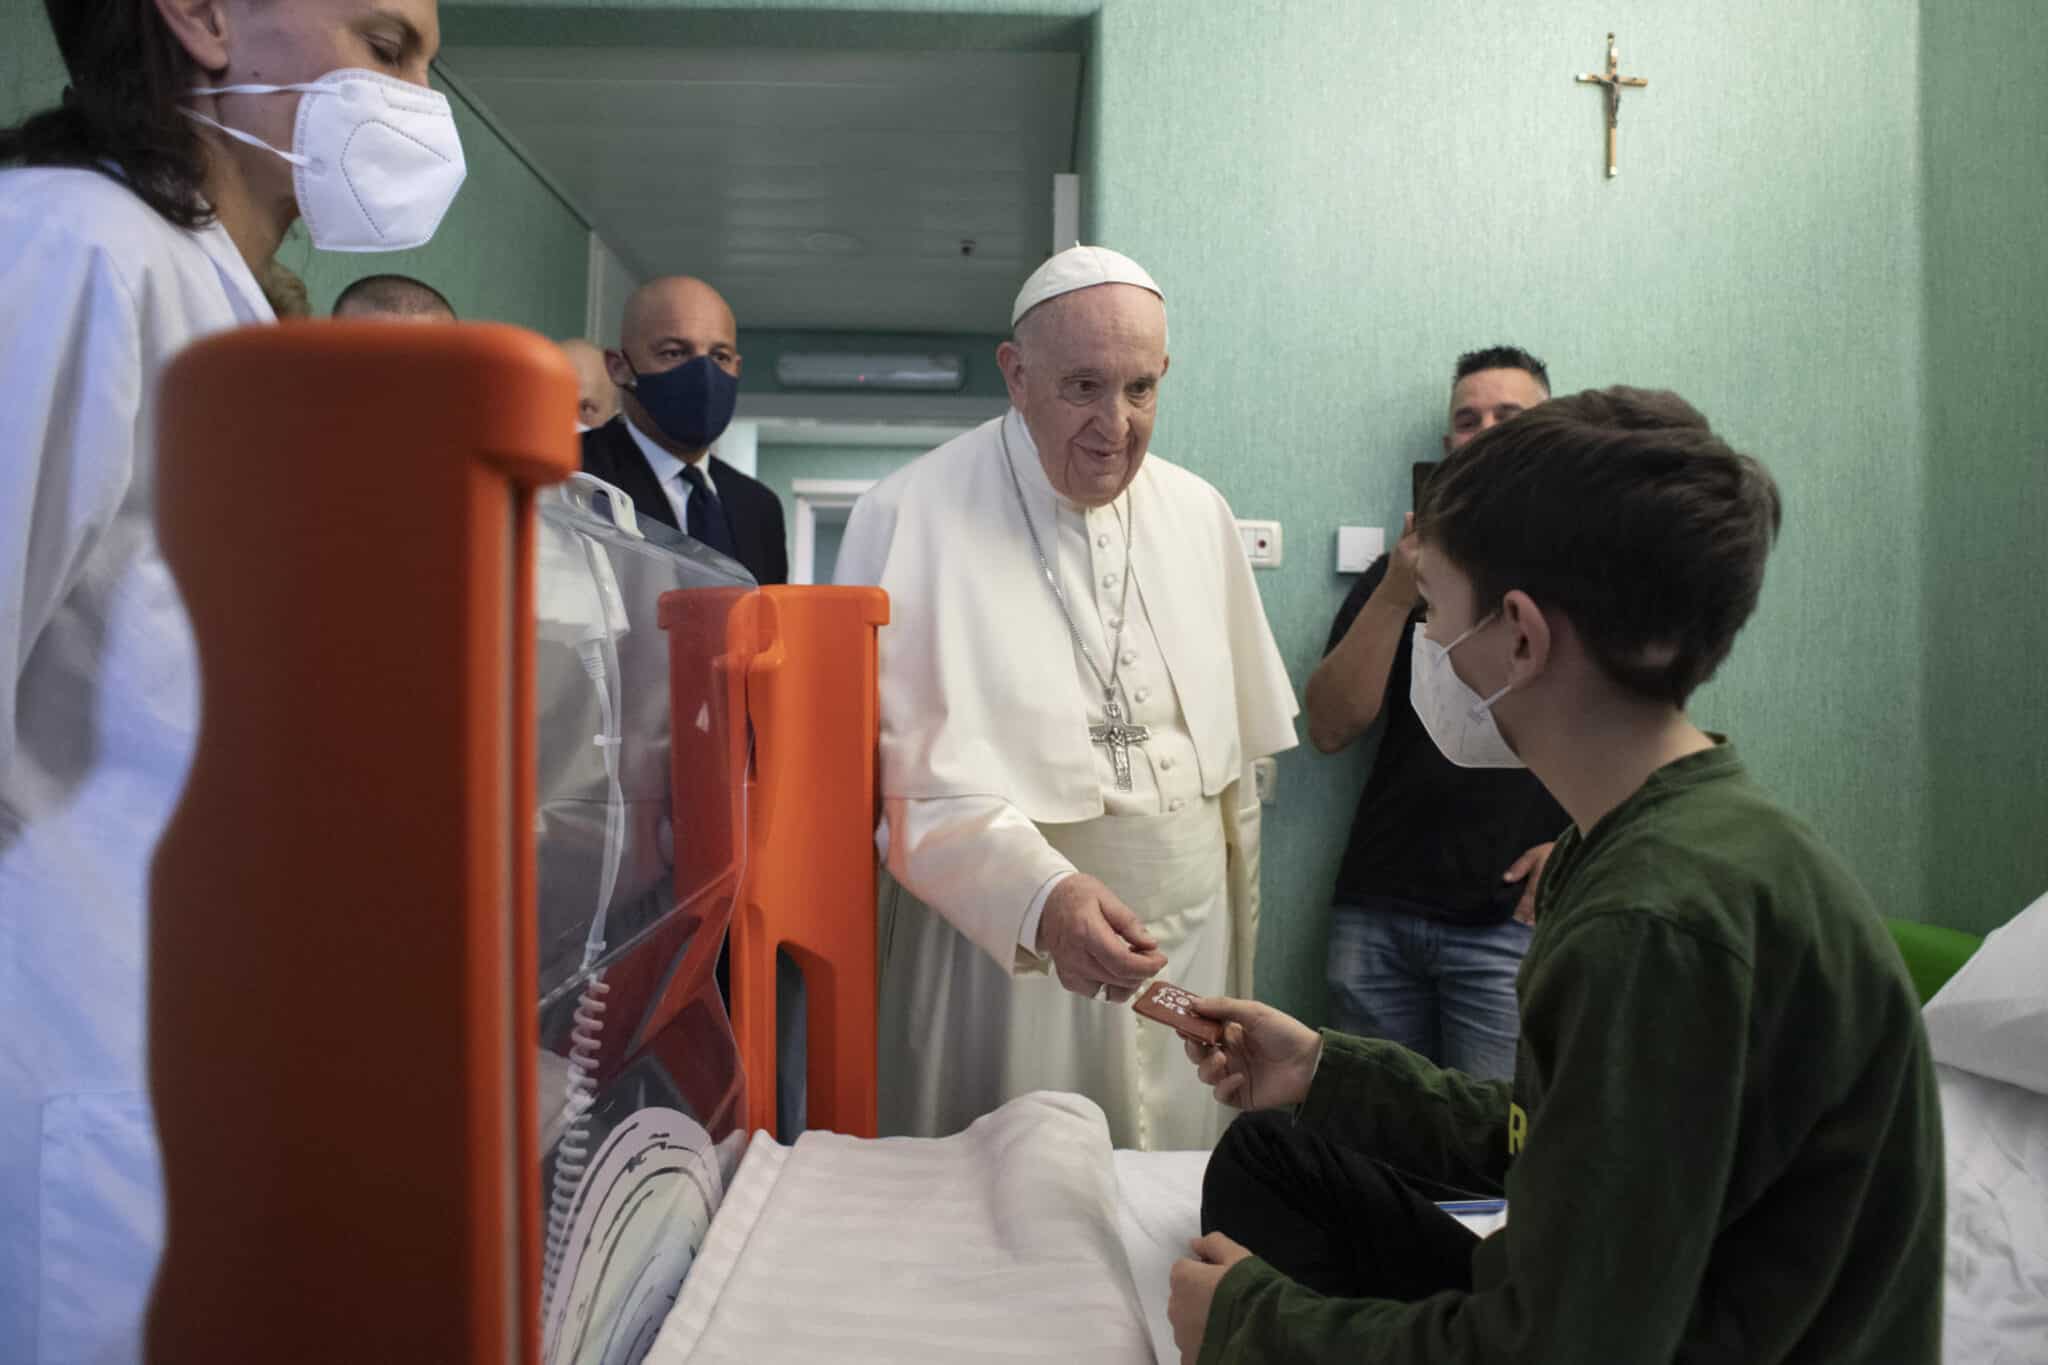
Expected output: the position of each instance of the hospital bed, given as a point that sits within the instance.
(367, 1006)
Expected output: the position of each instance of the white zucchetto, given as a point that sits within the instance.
(1080, 267)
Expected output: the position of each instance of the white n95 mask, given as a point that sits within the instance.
(1457, 718)
(376, 159)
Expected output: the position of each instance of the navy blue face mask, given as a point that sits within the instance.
(692, 403)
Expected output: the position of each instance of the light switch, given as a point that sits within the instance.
(1261, 542)
(1358, 547)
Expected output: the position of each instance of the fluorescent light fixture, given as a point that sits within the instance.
(869, 370)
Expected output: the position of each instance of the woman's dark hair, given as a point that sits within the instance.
(1622, 509)
(120, 110)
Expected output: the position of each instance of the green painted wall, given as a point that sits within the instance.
(977, 355)
(31, 73)
(508, 251)
(1340, 197)
(780, 466)
(1985, 135)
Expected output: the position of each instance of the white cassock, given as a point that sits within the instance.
(99, 700)
(993, 789)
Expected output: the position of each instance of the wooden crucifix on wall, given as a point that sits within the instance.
(1612, 83)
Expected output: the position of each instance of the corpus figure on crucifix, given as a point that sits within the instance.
(1611, 84)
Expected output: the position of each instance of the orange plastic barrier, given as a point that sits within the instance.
(342, 948)
(685, 1027)
(806, 658)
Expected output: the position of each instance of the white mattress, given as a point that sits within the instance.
(1025, 1236)
(998, 1243)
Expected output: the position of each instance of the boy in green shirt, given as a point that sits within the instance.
(1722, 1140)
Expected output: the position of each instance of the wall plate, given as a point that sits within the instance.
(1261, 542)
(1358, 547)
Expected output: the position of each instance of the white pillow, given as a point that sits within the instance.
(1992, 1016)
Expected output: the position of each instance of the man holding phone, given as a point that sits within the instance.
(1436, 894)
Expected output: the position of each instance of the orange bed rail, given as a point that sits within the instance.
(342, 938)
(807, 659)
(343, 1015)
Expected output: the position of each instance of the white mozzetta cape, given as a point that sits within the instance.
(981, 692)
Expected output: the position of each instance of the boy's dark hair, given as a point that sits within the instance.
(393, 294)
(127, 73)
(1501, 358)
(1623, 510)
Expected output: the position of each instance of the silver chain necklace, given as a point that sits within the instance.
(1118, 735)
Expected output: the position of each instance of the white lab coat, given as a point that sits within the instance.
(98, 709)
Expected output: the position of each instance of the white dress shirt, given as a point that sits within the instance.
(668, 470)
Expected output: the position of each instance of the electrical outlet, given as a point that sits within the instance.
(1261, 542)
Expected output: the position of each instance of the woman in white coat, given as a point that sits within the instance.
(137, 216)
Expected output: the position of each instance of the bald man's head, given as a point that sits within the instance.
(393, 298)
(677, 307)
(597, 401)
(670, 322)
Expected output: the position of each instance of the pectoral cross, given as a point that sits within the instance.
(1612, 82)
(1119, 736)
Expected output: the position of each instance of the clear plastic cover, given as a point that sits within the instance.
(602, 673)
(641, 831)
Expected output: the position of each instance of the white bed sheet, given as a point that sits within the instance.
(997, 1243)
(1996, 1135)
(1159, 1211)
(1031, 1238)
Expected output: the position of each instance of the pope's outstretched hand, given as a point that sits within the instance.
(1095, 941)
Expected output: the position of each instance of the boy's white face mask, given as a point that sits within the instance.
(376, 160)
(1457, 718)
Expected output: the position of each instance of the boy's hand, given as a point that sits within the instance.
(1266, 1060)
(1194, 1282)
(1528, 869)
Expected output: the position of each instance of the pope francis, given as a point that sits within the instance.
(1077, 677)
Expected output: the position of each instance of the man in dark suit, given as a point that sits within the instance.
(677, 367)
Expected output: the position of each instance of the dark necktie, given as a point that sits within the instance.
(706, 514)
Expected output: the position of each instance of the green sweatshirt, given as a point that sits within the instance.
(1722, 1141)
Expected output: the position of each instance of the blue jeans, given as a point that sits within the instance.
(1446, 991)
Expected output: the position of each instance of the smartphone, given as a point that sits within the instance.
(1423, 471)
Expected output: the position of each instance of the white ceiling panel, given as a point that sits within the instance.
(814, 189)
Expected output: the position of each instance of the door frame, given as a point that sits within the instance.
(811, 497)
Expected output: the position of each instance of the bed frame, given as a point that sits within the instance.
(342, 1012)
